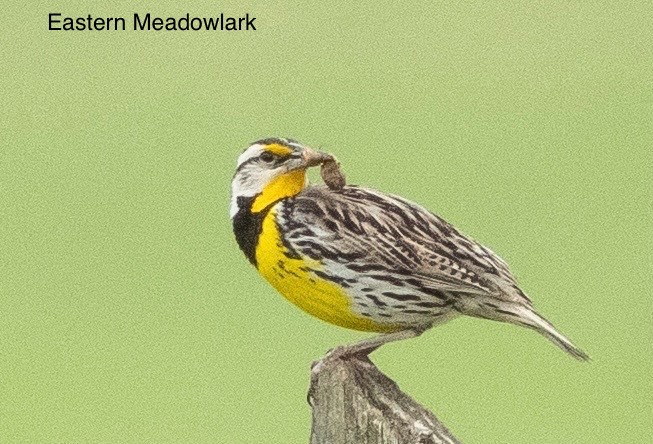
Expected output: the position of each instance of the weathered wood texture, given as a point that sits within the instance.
(354, 403)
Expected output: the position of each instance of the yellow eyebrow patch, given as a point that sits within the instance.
(278, 149)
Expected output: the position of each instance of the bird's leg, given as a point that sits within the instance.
(365, 347)
(359, 350)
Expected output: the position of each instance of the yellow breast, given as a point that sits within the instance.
(295, 281)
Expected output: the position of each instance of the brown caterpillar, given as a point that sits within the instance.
(332, 175)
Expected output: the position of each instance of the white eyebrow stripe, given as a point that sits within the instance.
(295, 145)
(249, 153)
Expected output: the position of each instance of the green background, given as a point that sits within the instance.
(127, 312)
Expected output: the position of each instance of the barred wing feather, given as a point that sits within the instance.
(365, 230)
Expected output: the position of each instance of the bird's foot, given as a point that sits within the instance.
(343, 352)
(359, 351)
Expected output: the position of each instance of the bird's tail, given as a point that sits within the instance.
(531, 319)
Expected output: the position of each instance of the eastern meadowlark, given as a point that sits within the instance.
(365, 260)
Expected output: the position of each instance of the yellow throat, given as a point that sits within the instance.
(286, 185)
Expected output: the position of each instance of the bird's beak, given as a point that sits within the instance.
(311, 158)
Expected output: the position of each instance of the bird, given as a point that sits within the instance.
(363, 259)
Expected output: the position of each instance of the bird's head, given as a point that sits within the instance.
(270, 170)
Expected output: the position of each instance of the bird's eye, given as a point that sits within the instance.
(267, 157)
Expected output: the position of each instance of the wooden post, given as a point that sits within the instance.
(354, 403)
